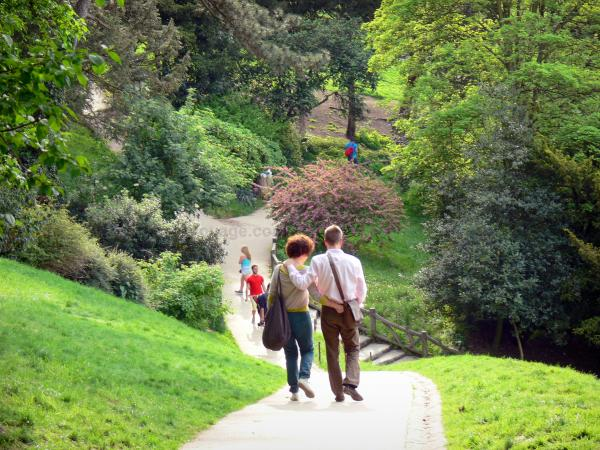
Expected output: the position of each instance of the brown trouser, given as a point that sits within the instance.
(334, 325)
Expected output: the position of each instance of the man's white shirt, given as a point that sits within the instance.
(350, 272)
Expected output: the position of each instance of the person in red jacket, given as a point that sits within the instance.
(255, 286)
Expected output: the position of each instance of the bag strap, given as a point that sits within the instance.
(279, 294)
(336, 277)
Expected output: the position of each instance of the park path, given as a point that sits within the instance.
(401, 409)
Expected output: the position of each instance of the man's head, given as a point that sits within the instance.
(254, 269)
(334, 237)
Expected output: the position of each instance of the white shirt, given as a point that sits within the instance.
(350, 272)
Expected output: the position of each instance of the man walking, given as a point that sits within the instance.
(341, 282)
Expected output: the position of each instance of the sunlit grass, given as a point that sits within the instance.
(82, 369)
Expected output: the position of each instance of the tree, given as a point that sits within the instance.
(545, 52)
(326, 193)
(38, 59)
(499, 252)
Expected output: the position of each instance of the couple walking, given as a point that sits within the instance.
(337, 280)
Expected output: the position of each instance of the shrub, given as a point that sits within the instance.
(187, 238)
(18, 221)
(122, 223)
(128, 280)
(318, 147)
(65, 247)
(138, 228)
(189, 293)
(328, 193)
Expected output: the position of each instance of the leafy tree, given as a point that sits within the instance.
(499, 251)
(328, 192)
(545, 52)
(39, 57)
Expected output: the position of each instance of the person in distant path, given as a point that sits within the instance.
(261, 303)
(351, 151)
(255, 285)
(298, 248)
(245, 262)
(341, 308)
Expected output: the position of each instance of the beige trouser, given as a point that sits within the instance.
(333, 326)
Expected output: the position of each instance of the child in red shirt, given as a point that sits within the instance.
(255, 284)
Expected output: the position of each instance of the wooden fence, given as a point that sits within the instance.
(413, 342)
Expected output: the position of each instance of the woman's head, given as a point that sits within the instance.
(246, 252)
(299, 246)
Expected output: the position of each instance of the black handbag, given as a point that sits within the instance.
(277, 330)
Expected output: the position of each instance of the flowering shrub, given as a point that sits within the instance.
(330, 192)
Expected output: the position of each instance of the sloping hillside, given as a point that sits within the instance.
(79, 368)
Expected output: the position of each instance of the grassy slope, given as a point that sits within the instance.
(80, 368)
(494, 403)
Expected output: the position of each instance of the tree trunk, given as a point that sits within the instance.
(351, 127)
(82, 8)
(498, 335)
(302, 124)
(521, 354)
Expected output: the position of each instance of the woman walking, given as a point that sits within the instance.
(245, 262)
(298, 248)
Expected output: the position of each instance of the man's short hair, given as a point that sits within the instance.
(333, 235)
(299, 245)
(255, 265)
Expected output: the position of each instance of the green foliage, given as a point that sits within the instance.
(189, 158)
(128, 280)
(497, 403)
(448, 52)
(191, 293)
(84, 189)
(65, 247)
(499, 251)
(187, 237)
(139, 229)
(38, 59)
(125, 224)
(83, 369)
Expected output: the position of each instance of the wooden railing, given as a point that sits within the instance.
(410, 341)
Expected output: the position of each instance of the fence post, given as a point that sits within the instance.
(373, 315)
(424, 344)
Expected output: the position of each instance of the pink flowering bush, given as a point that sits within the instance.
(329, 192)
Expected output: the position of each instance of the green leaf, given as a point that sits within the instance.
(114, 56)
(82, 79)
(121, 3)
(140, 49)
(101, 3)
(101, 69)
(8, 40)
(96, 59)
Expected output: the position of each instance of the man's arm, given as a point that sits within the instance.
(361, 284)
(302, 280)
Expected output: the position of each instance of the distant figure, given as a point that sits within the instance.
(255, 286)
(351, 151)
(245, 262)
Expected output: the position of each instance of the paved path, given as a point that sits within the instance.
(401, 409)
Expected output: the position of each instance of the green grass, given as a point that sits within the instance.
(234, 209)
(495, 403)
(82, 369)
(390, 87)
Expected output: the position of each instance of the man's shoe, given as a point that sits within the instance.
(294, 397)
(305, 386)
(339, 398)
(353, 393)
(239, 292)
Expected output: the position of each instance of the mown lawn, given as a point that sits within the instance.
(498, 403)
(80, 368)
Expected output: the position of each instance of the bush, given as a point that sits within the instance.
(187, 239)
(328, 193)
(65, 247)
(189, 293)
(122, 223)
(138, 228)
(128, 280)
(18, 222)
